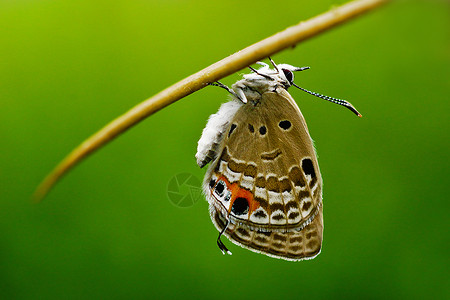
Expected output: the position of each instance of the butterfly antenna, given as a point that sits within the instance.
(331, 99)
(221, 245)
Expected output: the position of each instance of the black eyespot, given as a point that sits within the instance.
(233, 127)
(212, 182)
(308, 167)
(262, 130)
(285, 124)
(220, 186)
(240, 206)
(289, 75)
(250, 127)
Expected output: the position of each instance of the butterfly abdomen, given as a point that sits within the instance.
(212, 134)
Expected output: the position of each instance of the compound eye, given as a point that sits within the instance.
(289, 75)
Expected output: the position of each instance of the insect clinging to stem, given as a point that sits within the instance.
(263, 182)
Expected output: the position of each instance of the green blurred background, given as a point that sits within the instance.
(108, 230)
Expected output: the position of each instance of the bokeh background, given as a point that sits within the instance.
(108, 230)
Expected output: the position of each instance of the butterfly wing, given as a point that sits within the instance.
(265, 180)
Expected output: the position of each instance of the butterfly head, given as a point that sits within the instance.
(263, 80)
(266, 79)
(286, 73)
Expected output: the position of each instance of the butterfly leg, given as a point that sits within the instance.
(274, 64)
(240, 94)
(261, 74)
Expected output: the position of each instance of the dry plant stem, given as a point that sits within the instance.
(227, 66)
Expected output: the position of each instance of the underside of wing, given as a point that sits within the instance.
(266, 181)
(291, 245)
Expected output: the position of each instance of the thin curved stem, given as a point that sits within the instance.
(227, 66)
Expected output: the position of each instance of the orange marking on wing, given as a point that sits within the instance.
(243, 193)
(238, 192)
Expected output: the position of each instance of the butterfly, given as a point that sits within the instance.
(263, 182)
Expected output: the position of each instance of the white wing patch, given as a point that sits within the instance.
(213, 133)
